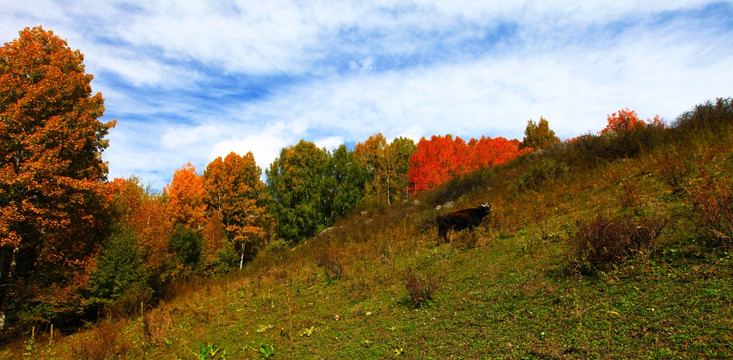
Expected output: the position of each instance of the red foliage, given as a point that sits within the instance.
(626, 119)
(442, 158)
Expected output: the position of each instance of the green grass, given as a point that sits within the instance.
(507, 290)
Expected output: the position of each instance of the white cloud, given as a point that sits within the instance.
(355, 68)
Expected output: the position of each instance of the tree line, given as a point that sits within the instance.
(74, 245)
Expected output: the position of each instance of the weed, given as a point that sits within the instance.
(605, 241)
(155, 327)
(420, 288)
(712, 198)
(330, 261)
(102, 343)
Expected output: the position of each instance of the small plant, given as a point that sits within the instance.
(262, 328)
(308, 331)
(208, 351)
(420, 288)
(267, 350)
(605, 241)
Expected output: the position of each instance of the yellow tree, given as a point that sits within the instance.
(185, 198)
(234, 190)
(51, 175)
(387, 165)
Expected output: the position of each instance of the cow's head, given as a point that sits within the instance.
(486, 207)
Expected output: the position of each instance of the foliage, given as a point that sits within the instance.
(119, 267)
(185, 198)
(235, 191)
(186, 244)
(545, 170)
(142, 213)
(443, 158)
(538, 135)
(52, 216)
(387, 165)
(344, 184)
(295, 182)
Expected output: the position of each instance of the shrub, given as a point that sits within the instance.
(538, 174)
(712, 199)
(120, 269)
(604, 241)
(420, 288)
(708, 116)
(186, 244)
(330, 261)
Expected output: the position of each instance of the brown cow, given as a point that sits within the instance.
(461, 219)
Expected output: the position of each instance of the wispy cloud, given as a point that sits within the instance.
(190, 80)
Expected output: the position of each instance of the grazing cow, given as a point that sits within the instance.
(462, 219)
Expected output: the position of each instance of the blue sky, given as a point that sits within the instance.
(192, 80)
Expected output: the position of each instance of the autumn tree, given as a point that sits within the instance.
(139, 220)
(623, 120)
(234, 190)
(185, 198)
(538, 135)
(387, 165)
(435, 161)
(51, 175)
(295, 182)
(442, 158)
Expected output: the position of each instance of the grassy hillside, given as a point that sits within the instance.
(595, 249)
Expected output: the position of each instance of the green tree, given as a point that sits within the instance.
(387, 165)
(538, 135)
(51, 175)
(234, 189)
(344, 183)
(295, 182)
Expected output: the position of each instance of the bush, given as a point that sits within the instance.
(708, 116)
(604, 241)
(187, 245)
(330, 261)
(119, 269)
(540, 173)
(712, 199)
(459, 186)
(420, 288)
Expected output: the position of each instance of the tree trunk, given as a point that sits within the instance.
(241, 258)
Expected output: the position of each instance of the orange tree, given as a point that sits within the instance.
(51, 177)
(234, 190)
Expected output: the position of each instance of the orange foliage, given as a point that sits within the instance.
(442, 158)
(236, 192)
(145, 214)
(51, 172)
(626, 119)
(185, 198)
